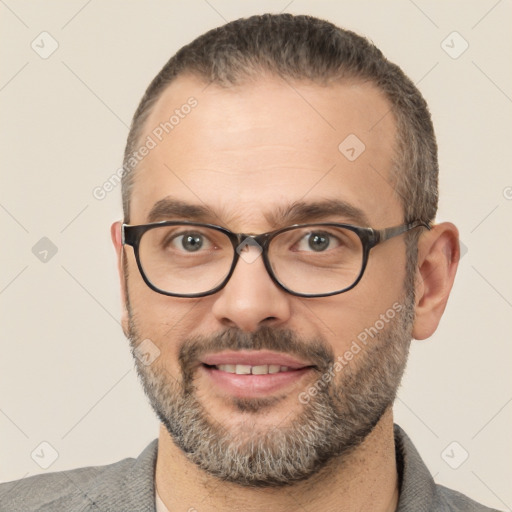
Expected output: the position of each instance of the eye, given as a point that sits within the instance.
(189, 242)
(317, 241)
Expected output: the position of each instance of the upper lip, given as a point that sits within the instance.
(254, 358)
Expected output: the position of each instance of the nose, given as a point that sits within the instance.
(251, 299)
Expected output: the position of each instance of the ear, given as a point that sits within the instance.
(438, 258)
(115, 233)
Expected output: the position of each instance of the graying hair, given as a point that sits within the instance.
(308, 49)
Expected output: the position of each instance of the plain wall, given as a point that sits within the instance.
(66, 374)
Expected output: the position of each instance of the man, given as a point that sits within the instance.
(277, 256)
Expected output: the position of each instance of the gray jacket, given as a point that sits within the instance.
(128, 486)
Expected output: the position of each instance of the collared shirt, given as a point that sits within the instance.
(129, 485)
(159, 504)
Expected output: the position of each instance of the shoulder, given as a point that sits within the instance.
(418, 491)
(110, 488)
(54, 491)
(453, 501)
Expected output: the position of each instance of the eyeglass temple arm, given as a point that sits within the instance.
(385, 234)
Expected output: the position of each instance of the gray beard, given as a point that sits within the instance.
(331, 424)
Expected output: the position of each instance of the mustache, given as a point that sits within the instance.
(316, 351)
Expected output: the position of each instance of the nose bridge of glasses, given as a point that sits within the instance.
(250, 247)
(252, 239)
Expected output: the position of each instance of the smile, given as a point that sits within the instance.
(253, 373)
(245, 369)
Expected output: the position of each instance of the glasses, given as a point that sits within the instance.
(190, 259)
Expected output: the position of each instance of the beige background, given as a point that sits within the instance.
(66, 375)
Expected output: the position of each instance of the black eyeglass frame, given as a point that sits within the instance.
(132, 234)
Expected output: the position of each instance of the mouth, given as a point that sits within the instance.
(253, 374)
(246, 369)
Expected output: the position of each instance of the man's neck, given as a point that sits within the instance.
(366, 480)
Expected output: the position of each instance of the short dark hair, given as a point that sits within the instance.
(304, 48)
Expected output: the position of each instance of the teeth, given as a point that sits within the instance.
(230, 368)
(260, 370)
(245, 369)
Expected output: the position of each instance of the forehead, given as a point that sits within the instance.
(245, 150)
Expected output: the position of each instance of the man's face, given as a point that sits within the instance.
(248, 154)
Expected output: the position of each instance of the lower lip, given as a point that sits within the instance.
(254, 386)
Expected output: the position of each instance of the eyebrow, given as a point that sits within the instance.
(301, 212)
(171, 208)
(298, 212)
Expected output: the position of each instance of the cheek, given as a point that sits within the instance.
(385, 273)
(340, 319)
(166, 321)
